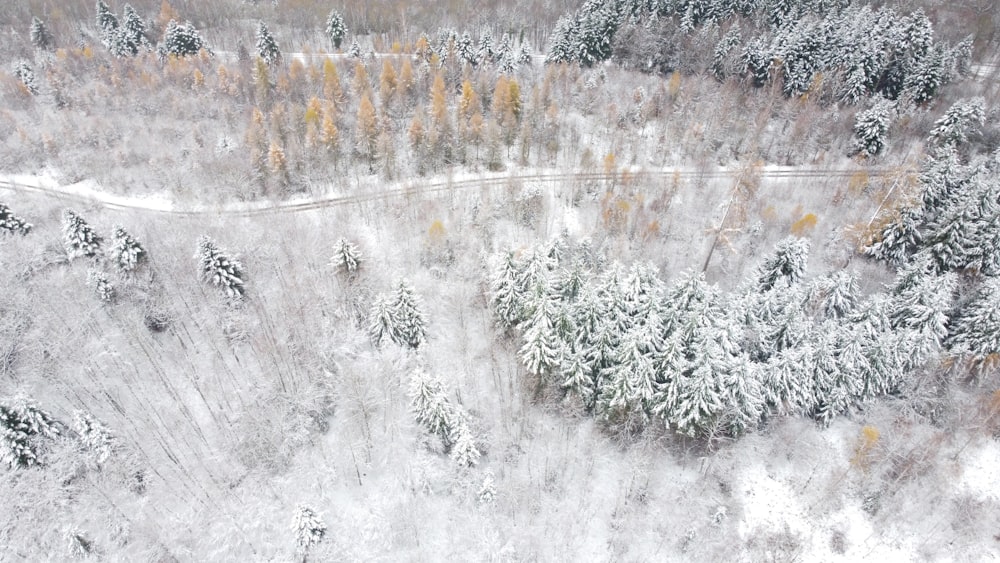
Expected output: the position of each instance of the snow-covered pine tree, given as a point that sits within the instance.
(431, 407)
(354, 51)
(24, 73)
(410, 328)
(463, 450)
(94, 436)
(488, 490)
(40, 37)
(743, 397)
(899, 239)
(79, 238)
(107, 24)
(524, 54)
(133, 30)
(505, 56)
(542, 349)
(126, 253)
(22, 424)
(465, 48)
(180, 40)
(308, 526)
(561, 40)
(505, 298)
(485, 53)
(347, 257)
(839, 294)
(962, 118)
(785, 266)
(381, 321)
(975, 332)
(11, 224)
(723, 63)
(336, 29)
(927, 76)
(871, 127)
(267, 47)
(922, 304)
(219, 269)
(101, 285)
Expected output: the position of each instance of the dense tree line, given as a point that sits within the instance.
(636, 350)
(845, 50)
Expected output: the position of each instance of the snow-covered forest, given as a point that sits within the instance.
(619, 280)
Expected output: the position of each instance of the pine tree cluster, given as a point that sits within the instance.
(12, 224)
(399, 318)
(79, 237)
(22, 426)
(99, 281)
(180, 40)
(955, 224)
(440, 417)
(634, 350)
(124, 39)
(860, 51)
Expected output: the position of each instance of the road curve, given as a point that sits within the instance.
(433, 187)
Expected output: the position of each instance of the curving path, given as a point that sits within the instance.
(113, 202)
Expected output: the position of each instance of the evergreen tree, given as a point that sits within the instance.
(131, 36)
(382, 323)
(524, 54)
(431, 407)
(542, 349)
(107, 24)
(743, 397)
(561, 42)
(267, 48)
(871, 127)
(354, 51)
(24, 73)
(722, 60)
(98, 280)
(922, 304)
(464, 451)
(219, 269)
(79, 238)
(838, 293)
(466, 49)
(22, 425)
(899, 239)
(308, 526)
(125, 252)
(962, 118)
(12, 224)
(487, 491)
(975, 332)
(180, 40)
(484, 53)
(347, 256)
(410, 328)
(785, 266)
(505, 298)
(40, 37)
(95, 437)
(335, 28)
